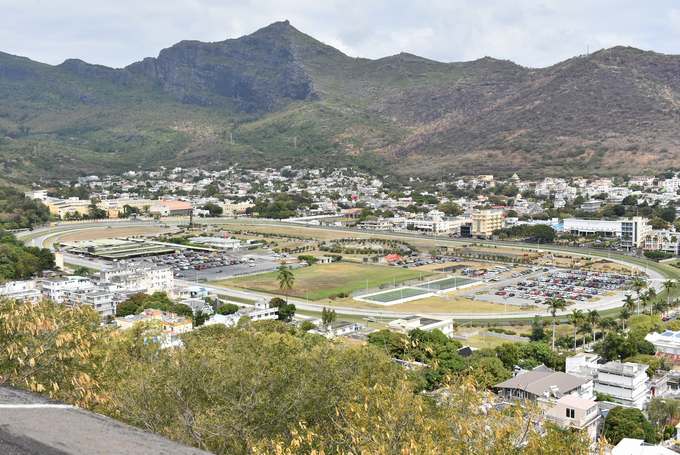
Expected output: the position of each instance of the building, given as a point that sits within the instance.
(101, 300)
(71, 206)
(628, 446)
(667, 345)
(261, 311)
(576, 413)
(25, 291)
(338, 329)
(544, 383)
(171, 208)
(224, 243)
(423, 323)
(171, 325)
(231, 208)
(435, 222)
(56, 289)
(631, 231)
(485, 222)
(627, 383)
(662, 240)
(139, 278)
(582, 364)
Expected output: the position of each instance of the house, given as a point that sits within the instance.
(423, 323)
(171, 208)
(544, 383)
(576, 413)
(55, 289)
(582, 364)
(667, 345)
(261, 311)
(338, 329)
(628, 446)
(626, 382)
(171, 325)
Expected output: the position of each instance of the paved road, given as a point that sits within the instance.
(39, 236)
(32, 425)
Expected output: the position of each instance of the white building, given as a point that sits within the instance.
(100, 300)
(20, 290)
(667, 345)
(224, 243)
(582, 364)
(577, 413)
(425, 323)
(631, 231)
(260, 312)
(627, 383)
(139, 278)
(56, 289)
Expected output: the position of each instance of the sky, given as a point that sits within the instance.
(533, 33)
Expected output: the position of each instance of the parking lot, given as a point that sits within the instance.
(212, 265)
(570, 285)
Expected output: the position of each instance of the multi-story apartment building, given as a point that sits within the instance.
(102, 301)
(627, 383)
(485, 222)
(20, 290)
(57, 289)
(662, 240)
(148, 279)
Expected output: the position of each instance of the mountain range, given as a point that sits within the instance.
(278, 96)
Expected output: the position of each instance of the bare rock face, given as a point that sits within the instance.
(257, 73)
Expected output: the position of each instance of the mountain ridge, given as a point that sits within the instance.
(279, 96)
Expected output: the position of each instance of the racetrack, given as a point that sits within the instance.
(657, 272)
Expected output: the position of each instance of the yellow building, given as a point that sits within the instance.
(484, 222)
(62, 207)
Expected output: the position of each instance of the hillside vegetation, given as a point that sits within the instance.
(278, 96)
(258, 388)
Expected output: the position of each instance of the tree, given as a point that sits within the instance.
(450, 208)
(328, 316)
(576, 318)
(286, 310)
(638, 284)
(555, 305)
(537, 329)
(227, 308)
(286, 279)
(81, 271)
(199, 319)
(627, 423)
(668, 286)
(593, 318)
(663, 412)
(214, 209)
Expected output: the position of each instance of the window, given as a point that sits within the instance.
(570, 413)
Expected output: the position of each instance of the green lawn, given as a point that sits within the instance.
(326, 280)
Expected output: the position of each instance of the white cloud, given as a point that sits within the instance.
(530, 32)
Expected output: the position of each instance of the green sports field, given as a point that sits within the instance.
(397, 294)
(325, 280)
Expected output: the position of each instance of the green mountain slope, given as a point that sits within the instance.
(279, 96)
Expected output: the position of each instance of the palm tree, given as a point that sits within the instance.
(659, 307)
(607, 324)
(668, 285)
(584, 329)
(593, 318)
(625, 314)
(648, 299)
(555, 304)
(629, 303)
(576, 318)
(638, 284)
(286, 279)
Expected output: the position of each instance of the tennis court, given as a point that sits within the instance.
(396, 295)
(446, 283)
